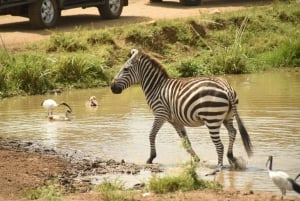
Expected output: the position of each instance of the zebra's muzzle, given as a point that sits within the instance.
(115, 89)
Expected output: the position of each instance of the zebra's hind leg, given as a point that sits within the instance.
(233, 161)
(185, 141)
(214, 132)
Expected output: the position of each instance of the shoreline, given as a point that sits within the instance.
(67, 165)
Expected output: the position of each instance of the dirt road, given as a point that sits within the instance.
(16, 31)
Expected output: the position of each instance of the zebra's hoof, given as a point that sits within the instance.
(238, 163)
(214, 172)
(149, 161)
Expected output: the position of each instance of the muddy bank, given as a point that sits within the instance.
(80, 168)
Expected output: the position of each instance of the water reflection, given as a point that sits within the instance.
(118, 128)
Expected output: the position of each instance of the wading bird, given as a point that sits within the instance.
(281, 179)
(93, 102)
(65, 117)
(297, 177)
(50, 105)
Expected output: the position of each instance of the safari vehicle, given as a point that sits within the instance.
(184, 2)
(45, 13)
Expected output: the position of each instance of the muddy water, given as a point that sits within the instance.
(119, 127)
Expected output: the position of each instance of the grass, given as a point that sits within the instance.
(113, 191)
(244, 41)
(186, 181)
(51, 192)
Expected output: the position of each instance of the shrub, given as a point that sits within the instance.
(186, 181)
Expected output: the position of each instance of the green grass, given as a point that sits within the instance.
(51, 192)
(186, 181)
(113, 191)
(244, 41)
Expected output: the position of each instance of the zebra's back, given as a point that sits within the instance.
(198, 101)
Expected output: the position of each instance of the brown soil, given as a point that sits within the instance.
(27, 165)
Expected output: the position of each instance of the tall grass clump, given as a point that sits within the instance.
(80, 72)
(31, 74)
(287, 54)
(231, 58)
(4, 83)
(101, 38)
(113, 191)
(66, 42)
(186, 181)
(5, 62)
(51, 192)
(192, 67)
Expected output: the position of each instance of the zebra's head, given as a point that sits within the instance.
(127, 76)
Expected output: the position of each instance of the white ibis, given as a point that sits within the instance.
(281, 179)
(93, 102)
(65, 117)
(50, 105)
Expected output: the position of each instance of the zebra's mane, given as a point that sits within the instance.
(155, 63)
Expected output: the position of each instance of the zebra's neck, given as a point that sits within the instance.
(153, 76)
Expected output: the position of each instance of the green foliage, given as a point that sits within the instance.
(79, 71)
(101, 38)
(232, 59)
(51, 192)
(31, 74)
(113, 191)
(287, 54)
(192, 67)
(186, 181)
(66, 42)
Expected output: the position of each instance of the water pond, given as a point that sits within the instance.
(269, 106)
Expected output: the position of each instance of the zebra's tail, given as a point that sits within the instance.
(244, 134)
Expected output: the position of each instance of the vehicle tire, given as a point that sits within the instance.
(111, 9)
(43, 13)
(190, 2)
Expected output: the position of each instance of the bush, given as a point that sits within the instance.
(186, 181)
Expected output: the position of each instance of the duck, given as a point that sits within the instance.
(281, 179)
(50, 105)
(93, 102)
(65, 117)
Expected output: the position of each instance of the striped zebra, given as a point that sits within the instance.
(184, 102)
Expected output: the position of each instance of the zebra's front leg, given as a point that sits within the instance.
(157, 124)
(185, 141)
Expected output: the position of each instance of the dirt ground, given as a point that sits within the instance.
(21, 171)
(16, 31)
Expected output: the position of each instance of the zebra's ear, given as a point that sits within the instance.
(134, 52)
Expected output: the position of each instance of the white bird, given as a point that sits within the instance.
(93, 102)
(281, 179)
(66, 117)
(50, 105)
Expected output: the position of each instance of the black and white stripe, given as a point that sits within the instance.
(184, 102)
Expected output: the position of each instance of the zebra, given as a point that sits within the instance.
(186, 102)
